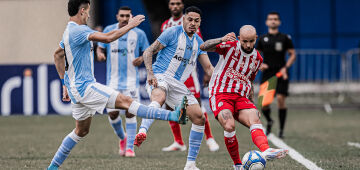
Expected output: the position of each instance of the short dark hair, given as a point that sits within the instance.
(182, 1)
(193, 9)
(273, 13)
(124, 8)
(74, 6)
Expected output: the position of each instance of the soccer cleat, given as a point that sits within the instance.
(174, 147)
(268, 127)
(271, 153)
(191, 166)
(122, 146)
(53, 167)
(211, 143)
(139, 138)
(281, 134)
(238, 167)
(180, 112)
(129, 153)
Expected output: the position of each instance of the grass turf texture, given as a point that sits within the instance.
(30, 143)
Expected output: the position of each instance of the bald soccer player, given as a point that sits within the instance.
(231, 91)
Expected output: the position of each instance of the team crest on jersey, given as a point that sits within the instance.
(278, 46)
(266, 39)
(133, 93)
(220, 104)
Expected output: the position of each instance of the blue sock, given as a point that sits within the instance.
(131, 132)
(64, 150)
(117, 126)
(151, 112)
(195, 138)
(145, 124)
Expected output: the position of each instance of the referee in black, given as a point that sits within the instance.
(274, 46)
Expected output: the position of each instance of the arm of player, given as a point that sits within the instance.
(289, 62)
(148, 54)
(206, 64)
(59, 59)
(251, 95)
(116, 34)
(100, 52)
(210, 45)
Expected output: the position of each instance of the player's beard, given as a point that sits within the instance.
(247, 51)
(176, 13)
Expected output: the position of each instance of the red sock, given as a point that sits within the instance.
(207, 127)
(259, 139)
(176, 130)
(233, 148)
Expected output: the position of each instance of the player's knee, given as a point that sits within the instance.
(229, 127)
(82, 132)
(198, 119)
(122, 101)
(129, 115)
(113, 115)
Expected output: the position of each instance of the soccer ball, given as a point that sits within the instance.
(253, 160)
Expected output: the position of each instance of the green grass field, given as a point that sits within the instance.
(30, 143)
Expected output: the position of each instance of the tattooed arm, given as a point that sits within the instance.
(210, 45)
(148, 54)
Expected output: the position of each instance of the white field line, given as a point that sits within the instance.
(354, 144)
(293, 153)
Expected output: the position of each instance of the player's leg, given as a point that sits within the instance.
(251, 119)
(131, 125)
(210, 141)
(282, 92)
(227, 121)
(133, 107)
(116, 123)
(82, 129)
(266, 112)
(157, 98)
(196, 133)
(178, 144)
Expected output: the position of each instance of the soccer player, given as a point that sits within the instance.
(176, 8)
(75, 66)
(231, 91)
(178, 50)
(123, 58)
(274, 46)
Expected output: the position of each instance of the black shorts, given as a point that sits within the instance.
(282, 85)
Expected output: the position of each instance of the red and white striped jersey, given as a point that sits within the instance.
(175, 22)
(235, 69)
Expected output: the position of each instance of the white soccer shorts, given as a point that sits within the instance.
(175, 90)
(96, 98)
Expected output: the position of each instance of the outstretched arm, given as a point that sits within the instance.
(206, 64)
(210, 45)
(148, 54)
(116, 34)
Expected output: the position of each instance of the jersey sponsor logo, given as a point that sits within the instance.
(224, 45)
(184, 60)
(236, 75)
(122, 51)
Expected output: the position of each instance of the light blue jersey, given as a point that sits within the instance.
(178, 58)
(121, 74)
(80, 58)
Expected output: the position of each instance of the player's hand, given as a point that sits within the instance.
(137, 20)
(101, 57)
(138, 61)
(206, 80)
(66, 97)
(284, 73)
(152, 79)
(229, 37)
(263, 67)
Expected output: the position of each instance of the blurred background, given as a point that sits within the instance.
(325, 33)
